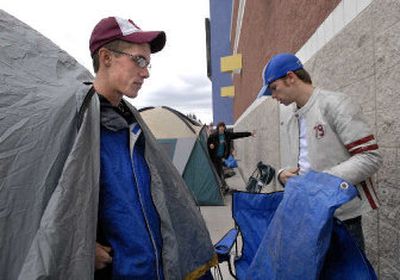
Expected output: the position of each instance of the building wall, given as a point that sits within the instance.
(263, 118)
(269, 27)
(235, 10)
(220, 24)
(361, 60)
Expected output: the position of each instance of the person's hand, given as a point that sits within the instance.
(212, 146)
(288, 173)
(253, 133)
(103, 257)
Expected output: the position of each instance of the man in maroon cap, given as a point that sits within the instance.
(113, 43)
(148, 224)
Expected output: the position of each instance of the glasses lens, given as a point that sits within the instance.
(141, 61)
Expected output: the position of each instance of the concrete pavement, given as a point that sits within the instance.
(219, 218)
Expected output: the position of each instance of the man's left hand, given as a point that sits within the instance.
(103, 257)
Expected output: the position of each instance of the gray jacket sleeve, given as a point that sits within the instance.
(347, 120)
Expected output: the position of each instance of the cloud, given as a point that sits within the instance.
(178, 77)
(192, 95)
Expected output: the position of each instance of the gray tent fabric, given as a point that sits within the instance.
(49, 170)
(44, 189)
(63, 246)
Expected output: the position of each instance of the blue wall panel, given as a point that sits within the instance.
(220, 23)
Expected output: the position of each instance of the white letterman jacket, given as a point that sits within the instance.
(339, 142)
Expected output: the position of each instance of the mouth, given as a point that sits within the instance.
(138, 84)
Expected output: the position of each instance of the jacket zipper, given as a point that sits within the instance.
(298, 139)
(145, 218)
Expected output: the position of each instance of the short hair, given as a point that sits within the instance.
(221, 124)
(303, 75)
(116, 45)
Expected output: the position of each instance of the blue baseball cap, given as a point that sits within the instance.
(278, 67)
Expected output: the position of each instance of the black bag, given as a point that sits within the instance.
(261, 176)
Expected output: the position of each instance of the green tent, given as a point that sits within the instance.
(185, 141)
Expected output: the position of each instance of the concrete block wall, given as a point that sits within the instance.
(362, 60)
(264, 119)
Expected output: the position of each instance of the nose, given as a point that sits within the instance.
(145, 73)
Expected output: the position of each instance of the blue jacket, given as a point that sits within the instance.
(127, 217)
(168, 211)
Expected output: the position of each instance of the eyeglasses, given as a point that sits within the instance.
(140, 60)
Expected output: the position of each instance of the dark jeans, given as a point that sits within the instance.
(354, 227)
(103, 274)
(217, 162)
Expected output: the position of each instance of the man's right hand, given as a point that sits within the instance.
(103, 257)
(212, 146)
(287, 173)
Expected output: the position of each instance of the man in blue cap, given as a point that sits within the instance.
(323, 131)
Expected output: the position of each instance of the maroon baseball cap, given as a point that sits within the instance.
(115, 28)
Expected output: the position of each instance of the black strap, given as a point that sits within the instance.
(85, 105)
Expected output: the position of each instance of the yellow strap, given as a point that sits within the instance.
(197, 273)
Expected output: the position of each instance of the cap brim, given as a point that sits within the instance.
(156, 39)
(264, 91)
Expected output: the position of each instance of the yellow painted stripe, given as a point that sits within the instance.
(228, 91)
(230, 63)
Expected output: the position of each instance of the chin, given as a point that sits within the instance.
(131, 94)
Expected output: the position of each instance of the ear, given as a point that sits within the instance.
(105, 57)
(291, 77)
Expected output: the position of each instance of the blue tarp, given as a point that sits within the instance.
(344, 260)
(293, 235)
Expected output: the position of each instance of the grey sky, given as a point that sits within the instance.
(178, 75)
